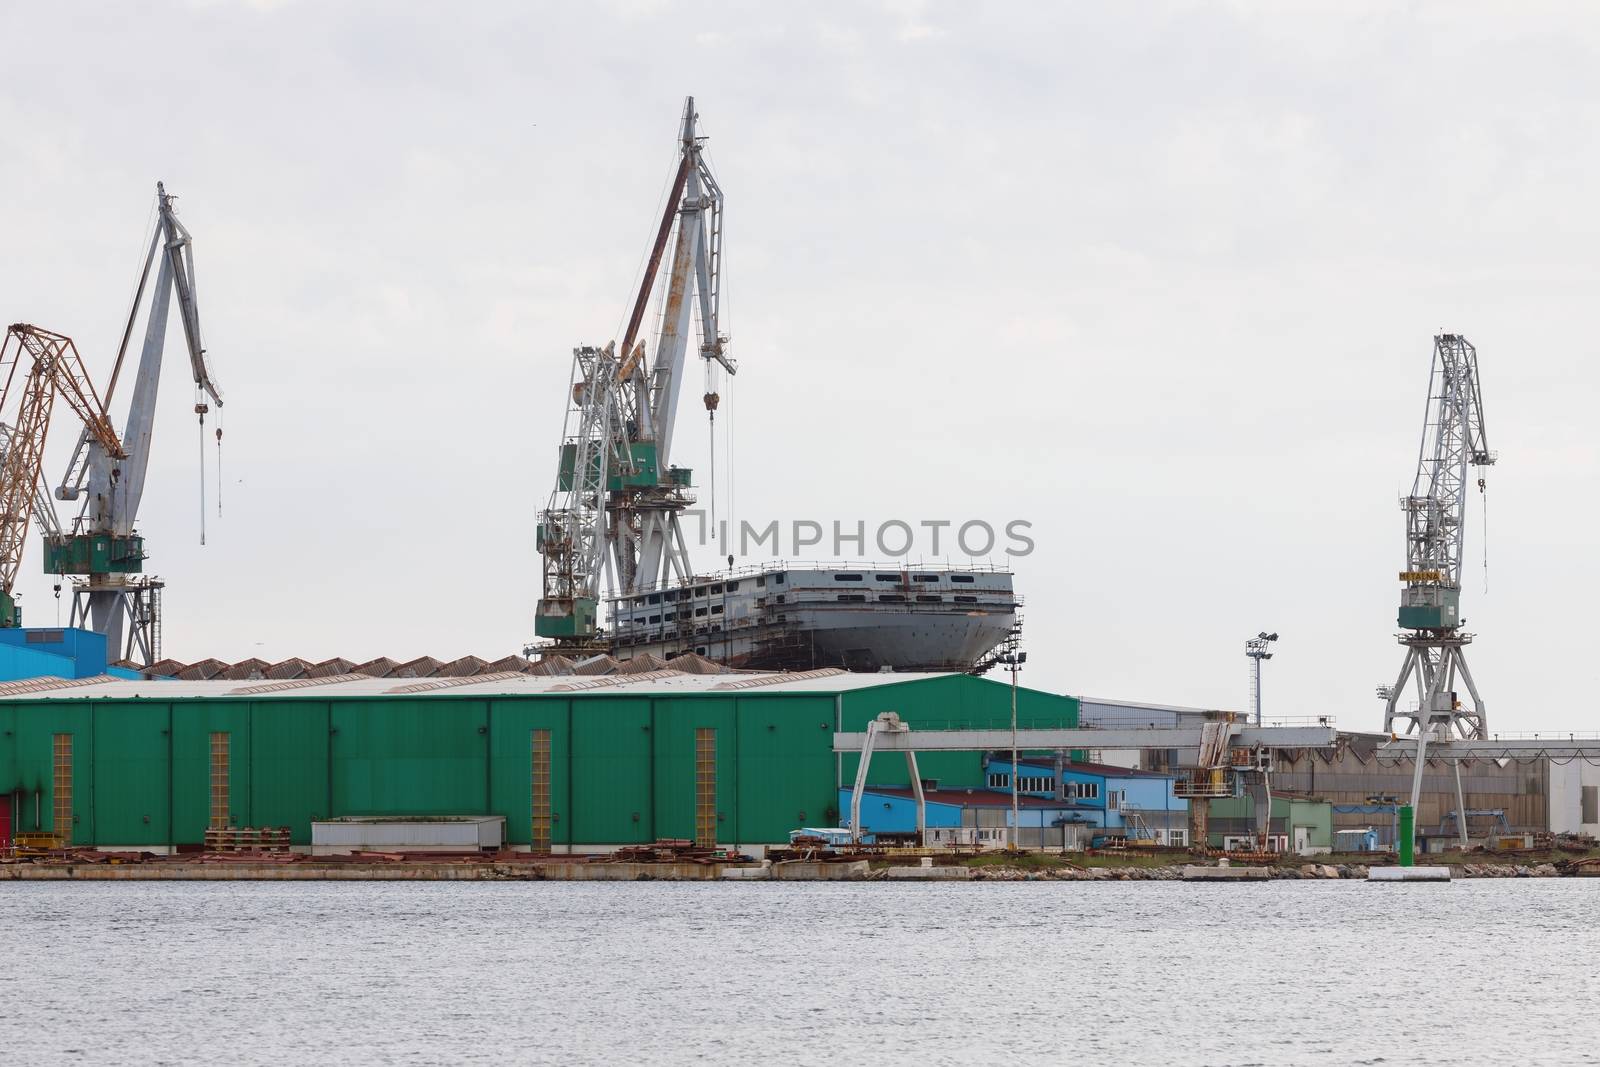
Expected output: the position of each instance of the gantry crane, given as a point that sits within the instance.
(615, 507)
(55, 368)
(111, 595)
(1453, 439)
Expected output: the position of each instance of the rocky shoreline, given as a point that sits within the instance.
(1174, 873)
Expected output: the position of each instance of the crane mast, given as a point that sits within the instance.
(1453, 439)
(615, 509)
(111, 595)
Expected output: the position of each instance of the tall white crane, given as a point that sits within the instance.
(615, 509)
(1453, 439)
(112, 597)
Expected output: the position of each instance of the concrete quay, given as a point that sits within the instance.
(1409, 874)
(1226, 874)
(366, 872)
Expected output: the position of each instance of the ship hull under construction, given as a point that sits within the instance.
(858, 618)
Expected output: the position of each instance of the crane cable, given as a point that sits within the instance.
(219, 463)
(711, 399)
(1483, 493)
(727, 440)
(200, 410)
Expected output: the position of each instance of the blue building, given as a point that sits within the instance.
(63, 652)
(1139, 805)
(978, 817)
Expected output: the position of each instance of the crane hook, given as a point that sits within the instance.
(200, 409)
(219, 470)
(711, 400)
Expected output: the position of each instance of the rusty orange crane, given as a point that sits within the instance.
(53, 368)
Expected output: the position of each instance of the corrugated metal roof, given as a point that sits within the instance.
(454, 683)
(601, 664)
(548, 665)
(336, 666)
(754, 680)
(376, 668)
(206, 668)
(642, 664)
(421, 667)
(247, 669)
(501, 684)
(464, 667)
(294, 683)
(26, 686)
(579, 684)
(287, 670)
(693, 663)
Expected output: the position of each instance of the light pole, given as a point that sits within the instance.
(1013, 662)
(1257, 649)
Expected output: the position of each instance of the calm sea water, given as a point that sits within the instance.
(1129, 973)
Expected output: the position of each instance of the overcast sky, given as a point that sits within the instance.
(1160, 279)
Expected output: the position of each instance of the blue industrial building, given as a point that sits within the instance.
(978, 817)
(1139, 805)
(1065, 805)
(37, 652)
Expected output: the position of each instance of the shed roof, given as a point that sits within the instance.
(1104, 770)
(499, 684)
(1132, 710)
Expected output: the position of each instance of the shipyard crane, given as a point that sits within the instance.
(111, 595)
(614, 513)
(54, 369)
(1453, 439)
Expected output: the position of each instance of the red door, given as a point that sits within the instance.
(5, 822)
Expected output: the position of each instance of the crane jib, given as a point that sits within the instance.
(654, 265)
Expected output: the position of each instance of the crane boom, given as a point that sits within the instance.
(171, 252)
(647, 548)
(44, 509)
(1453, 438)
(56, 370)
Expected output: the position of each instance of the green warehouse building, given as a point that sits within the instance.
(573, 763)
(1300, 823)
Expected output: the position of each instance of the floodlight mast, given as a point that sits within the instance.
(1258, 649)
(1453, 439)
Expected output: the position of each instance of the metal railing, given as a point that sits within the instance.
(1545, 735)
(1203, 785)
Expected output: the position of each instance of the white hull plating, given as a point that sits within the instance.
(860, 618)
